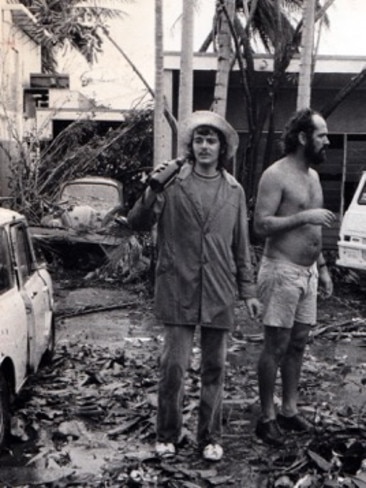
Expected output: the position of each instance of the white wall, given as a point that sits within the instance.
(19, 56)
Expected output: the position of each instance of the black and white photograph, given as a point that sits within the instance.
(183, 243)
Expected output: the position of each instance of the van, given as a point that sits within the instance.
(352, 242)
(27, 327)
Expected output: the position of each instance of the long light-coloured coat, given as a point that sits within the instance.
(202, 263)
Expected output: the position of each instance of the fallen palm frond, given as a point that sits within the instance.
(346, 325)
(89, 309)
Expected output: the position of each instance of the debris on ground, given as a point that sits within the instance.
(89, 418)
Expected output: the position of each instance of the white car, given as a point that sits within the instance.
(352, 243)
(83, 223)
(27, 328)
(85, 203)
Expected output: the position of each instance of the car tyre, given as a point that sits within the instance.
(4, 410)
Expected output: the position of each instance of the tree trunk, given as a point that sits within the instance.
(225, 56)
(185, 102)
(159, 84)
(343, 93)
(307, 41)
(168, 115)
(207, 42)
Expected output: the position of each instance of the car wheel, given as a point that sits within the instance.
(4, 411)
(49, 352)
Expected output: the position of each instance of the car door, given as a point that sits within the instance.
(13, 318)
(352, 243)
(34, 291)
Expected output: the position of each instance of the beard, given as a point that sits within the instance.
(312, 155)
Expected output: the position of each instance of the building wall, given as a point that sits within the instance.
(349, 117)
(19, 56)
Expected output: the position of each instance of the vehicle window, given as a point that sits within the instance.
(98, 196)
(6, 276)
(362, 197)
(25, 261)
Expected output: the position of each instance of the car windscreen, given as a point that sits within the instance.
(362, 197)
(98, 196)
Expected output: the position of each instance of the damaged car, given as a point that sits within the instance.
(27, 326)
(85, 221)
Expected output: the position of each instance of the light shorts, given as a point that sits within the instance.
(288, 292)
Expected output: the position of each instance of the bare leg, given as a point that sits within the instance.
(291, 367)
(276, 341)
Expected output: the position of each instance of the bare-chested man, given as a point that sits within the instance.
(289, 215)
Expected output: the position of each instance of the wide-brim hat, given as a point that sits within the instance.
(211, 119)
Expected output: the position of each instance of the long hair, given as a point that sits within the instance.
(205, 130)
(301, 121)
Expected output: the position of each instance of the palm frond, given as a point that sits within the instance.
(264, 23)
(76, 22)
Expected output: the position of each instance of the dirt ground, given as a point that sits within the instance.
(87, 420)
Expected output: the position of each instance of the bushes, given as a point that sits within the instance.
(83, 148)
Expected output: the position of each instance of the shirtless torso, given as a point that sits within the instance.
(289, 212)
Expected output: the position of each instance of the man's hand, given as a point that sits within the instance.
(326, 282)
(319, 216)
(254, 307)
(159, 168)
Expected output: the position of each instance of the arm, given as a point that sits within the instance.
(269, 197)
(324, 276)
(148, 207)
(144, 213)
(270, 193)
(245, 275)
(321, 263)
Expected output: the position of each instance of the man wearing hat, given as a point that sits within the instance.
(203, 261)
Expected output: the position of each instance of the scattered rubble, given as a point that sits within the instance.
(89, 418)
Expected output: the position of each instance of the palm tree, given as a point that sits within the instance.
(274, 23)
(76, 22)
(225, 16)
(82, 24)
(304, 85)
(185, 99)
(307, 54)
(159, 90)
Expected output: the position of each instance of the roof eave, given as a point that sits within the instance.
(23, 19)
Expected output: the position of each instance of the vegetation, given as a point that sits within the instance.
(75, 23)
(277, 26)
(83, 148)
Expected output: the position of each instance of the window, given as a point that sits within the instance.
(6, 277)
(98, 196)
(24, 256)
(362, 197)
